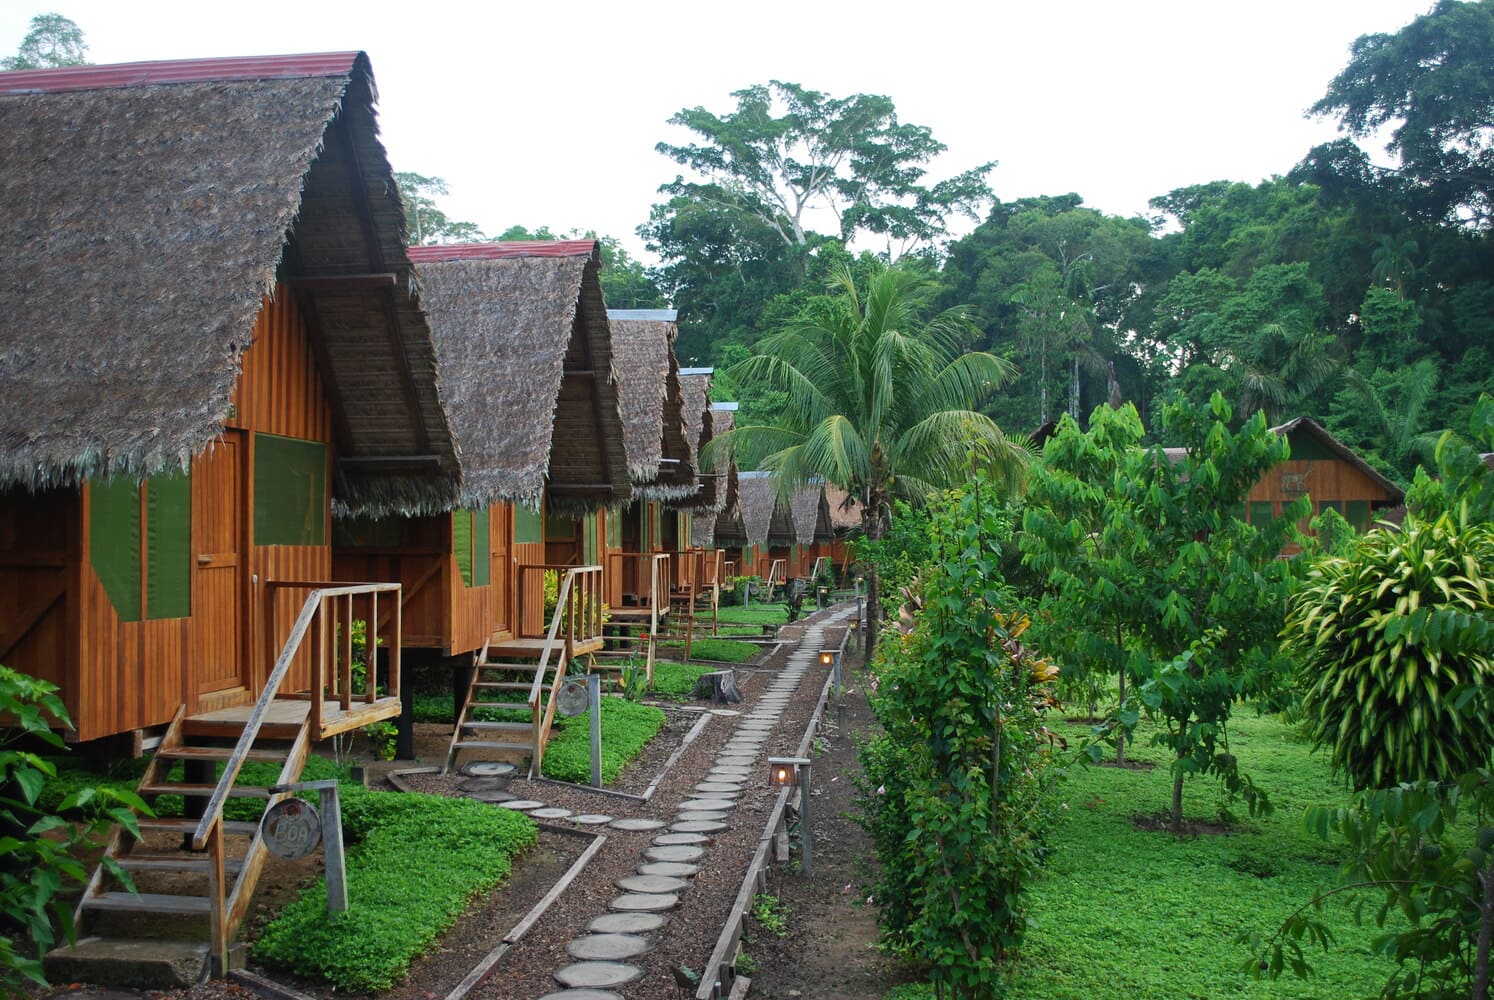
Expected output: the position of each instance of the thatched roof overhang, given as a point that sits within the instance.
(723, 419)
(765, 518)
(695, 388)
(703, 530)
(527, 371)
(150, 208)
(659, 459)
(809, 514)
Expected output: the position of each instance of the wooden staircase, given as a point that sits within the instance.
(202, 864)
(524, 674)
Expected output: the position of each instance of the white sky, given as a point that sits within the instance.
(546, 112)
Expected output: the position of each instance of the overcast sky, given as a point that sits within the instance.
(546, 113)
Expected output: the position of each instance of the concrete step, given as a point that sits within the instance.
(147, 965)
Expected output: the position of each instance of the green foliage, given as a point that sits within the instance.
(53, 41)
(1210, 589)
(771, 913)
(957, 793)
(626, 728)
(674, 681)
(1392, 649)
(757, 613)
(42, 836)
(1427, 851)
(718, 650)
(414, 862)
(428, 225)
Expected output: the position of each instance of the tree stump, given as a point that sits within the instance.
(720, 686)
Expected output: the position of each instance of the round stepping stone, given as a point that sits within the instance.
(590, 975)
(627, 923)
(669, 869)
(735, 760)
(591, 819)
(720, 787)
(644, 902)
(607, 947)
(725, 712)
(652, 884)
(696, 817)
(708, 805)
(495, 797)
(487, 769)
(676, 839)
(633, 824)
(732, 771)
(483, 785)
(554, 812)
(582, 995)
(697, 826)
(682, 853)
(523, 805)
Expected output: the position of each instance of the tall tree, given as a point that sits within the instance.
(882, 402)
(429, 225)
(1430, 83)
(786, 150)
(53, 41)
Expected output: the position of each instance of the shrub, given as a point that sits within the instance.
(413, 862)
(1388, 641)
(626, 728)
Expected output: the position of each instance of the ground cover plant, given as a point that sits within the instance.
(413, 862)
(674, 681)
(755, 613)
(1128, 911)
(720, 650)
(626, 728)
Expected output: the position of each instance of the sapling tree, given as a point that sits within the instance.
(1211, 591)
(1081, 533)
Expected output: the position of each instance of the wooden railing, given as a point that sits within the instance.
(777, 574)
(651, 571)
(331, 654)
(577, 618)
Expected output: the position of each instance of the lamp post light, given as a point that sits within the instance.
(831, 658)
(785, 772)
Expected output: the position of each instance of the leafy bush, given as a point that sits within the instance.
(957, 795)
(414, 862)
(43, 832)
(626, 728)
(1391, 649)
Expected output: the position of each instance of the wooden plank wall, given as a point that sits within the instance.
(1325, 479)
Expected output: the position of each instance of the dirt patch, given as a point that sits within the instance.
(1162, 823)
(1129, 765)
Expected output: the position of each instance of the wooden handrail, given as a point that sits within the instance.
(213, 813)
(583, 615)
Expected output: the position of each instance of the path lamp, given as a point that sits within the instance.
(785, 772)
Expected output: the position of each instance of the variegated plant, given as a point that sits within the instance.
(1397, 651)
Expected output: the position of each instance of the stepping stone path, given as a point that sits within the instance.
(669, 862)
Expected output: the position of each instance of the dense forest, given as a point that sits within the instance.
(1357, 294)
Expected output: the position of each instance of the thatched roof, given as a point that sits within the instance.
(765, 519)
(695, 389)
(527, 371)
(809, 514)
(703, 530)
(723, 419)
(845, 510)
(659, 459)
(148, 209)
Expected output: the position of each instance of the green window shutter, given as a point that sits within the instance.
(1261, 511)
(529, 527)
(290, 491)
(482, 548)
(168, 559)
(1357, 513)
(614, 529)
(114, 542)
(656, 529)
(686, 535)
(589, 552)
(461, 543)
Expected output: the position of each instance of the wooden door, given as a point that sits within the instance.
(220, 563)
(500, 537)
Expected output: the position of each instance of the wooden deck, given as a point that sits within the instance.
(290, 713)
(530, 649)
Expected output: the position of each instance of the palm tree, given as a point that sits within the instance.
(881, 402)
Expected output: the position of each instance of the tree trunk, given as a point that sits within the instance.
(872, 522)
(1120, 743)
(1177, 799)
(1485, 934)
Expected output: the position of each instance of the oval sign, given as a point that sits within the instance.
(572, 698)
(291, 829)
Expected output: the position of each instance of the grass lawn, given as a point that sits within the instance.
(721, 650)
(673, 681)
(754, 614)
(1124, 912)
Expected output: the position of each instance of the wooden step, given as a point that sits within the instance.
(239, 828)
(173, 863)
(218, 753)
(503, 685)
(147, 902)
(491, 745)
(204, 791)
(232, 729)
(500, 727)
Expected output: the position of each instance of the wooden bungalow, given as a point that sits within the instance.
(1324, 469)
(767, 529)
(810, 514)
(638, 539)
(212, 341)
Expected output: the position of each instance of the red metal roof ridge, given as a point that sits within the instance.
(503, 250)
(141, 74)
